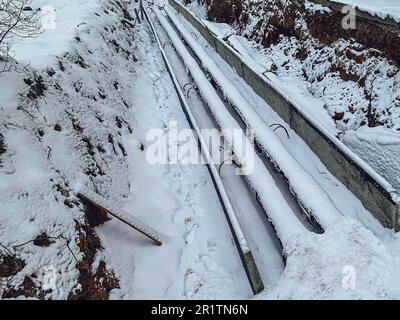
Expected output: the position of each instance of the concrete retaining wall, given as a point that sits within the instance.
(330, 150)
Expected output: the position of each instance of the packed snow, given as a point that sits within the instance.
(60, 20)
(347, 262)
(380, 148)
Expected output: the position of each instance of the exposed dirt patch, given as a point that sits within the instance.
(10, 266)
(94, 215)
(228, 11)
(37, 87)
(280, 17)
(327, 28)
(3, 148)
(92, 285)
(27, 289)
(43, 240)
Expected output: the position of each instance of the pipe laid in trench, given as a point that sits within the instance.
(237, 232)
(270, 196)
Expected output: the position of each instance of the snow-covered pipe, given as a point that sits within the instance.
(245, 251)
(306, 189)
(271, 198)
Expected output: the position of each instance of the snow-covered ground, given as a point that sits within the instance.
(347, 262)
(380, 8)
(60, 21)
(48, 138)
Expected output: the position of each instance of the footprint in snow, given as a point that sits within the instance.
(192, 284)
(212, 245)
(178, 215)
(210, 264)
(191, 230)
(197, 210)
(7, 165)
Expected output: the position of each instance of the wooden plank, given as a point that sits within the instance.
(121, 215)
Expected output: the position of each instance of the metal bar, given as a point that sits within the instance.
(121, 215)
